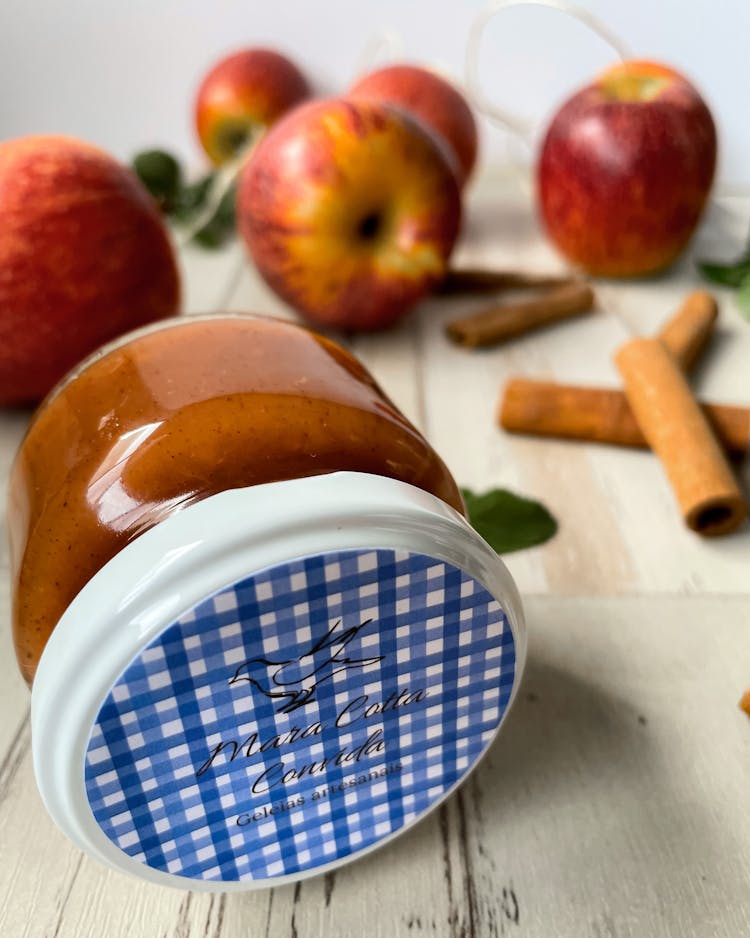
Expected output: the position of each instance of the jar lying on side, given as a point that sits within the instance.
(262, 637)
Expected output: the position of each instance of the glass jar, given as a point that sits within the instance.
(262, 636)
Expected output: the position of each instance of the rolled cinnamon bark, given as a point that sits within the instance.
(599, 415)
(463, 280)
(679, 434)
(499, 323)
(543, 408)
(688, 331)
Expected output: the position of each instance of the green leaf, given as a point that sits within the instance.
(161, 174)
(187, 204)
(191, 198)
(727, 274)
(743, 296)
(508, 522)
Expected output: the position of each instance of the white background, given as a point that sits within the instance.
(123, 74)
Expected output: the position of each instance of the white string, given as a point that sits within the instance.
(387, 43)
(220, 185)
(387, 46)
(521, 127)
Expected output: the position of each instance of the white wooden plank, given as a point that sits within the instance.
(615, 798)
(619, 527)
(251, 294)
(404, 889)
(13, 425)
(208, 276)
(615, 804)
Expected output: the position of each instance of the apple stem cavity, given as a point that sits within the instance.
(232, 138)
(370, 226)
(630, 87)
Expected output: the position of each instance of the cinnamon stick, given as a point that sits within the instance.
(500, 323)
(688, 331)
(599, 415)
(679, 434)
(467, 280)
(543, 408)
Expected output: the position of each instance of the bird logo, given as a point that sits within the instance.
(294, 682)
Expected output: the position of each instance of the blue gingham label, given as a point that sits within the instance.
(300, 715)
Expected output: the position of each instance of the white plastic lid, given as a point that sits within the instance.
(274, 681)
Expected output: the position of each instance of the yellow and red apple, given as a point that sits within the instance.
(243, 94)
(350, 210)
(625, 170)
(432, 100)
(84, 257)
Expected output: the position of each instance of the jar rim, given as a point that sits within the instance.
(187, 558)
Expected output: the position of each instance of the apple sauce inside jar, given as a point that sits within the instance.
(175, 413)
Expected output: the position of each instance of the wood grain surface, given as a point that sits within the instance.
(616, 802)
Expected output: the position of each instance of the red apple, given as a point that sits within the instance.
(242, 94)
(350, 210)
(432, 100)
(84, 257)
(625, 170)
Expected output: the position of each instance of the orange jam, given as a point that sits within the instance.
(176, 413)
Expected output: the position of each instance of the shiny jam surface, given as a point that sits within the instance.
(177, 414)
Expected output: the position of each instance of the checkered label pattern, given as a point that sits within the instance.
(300, 715)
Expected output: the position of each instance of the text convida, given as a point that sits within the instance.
(291, 684)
